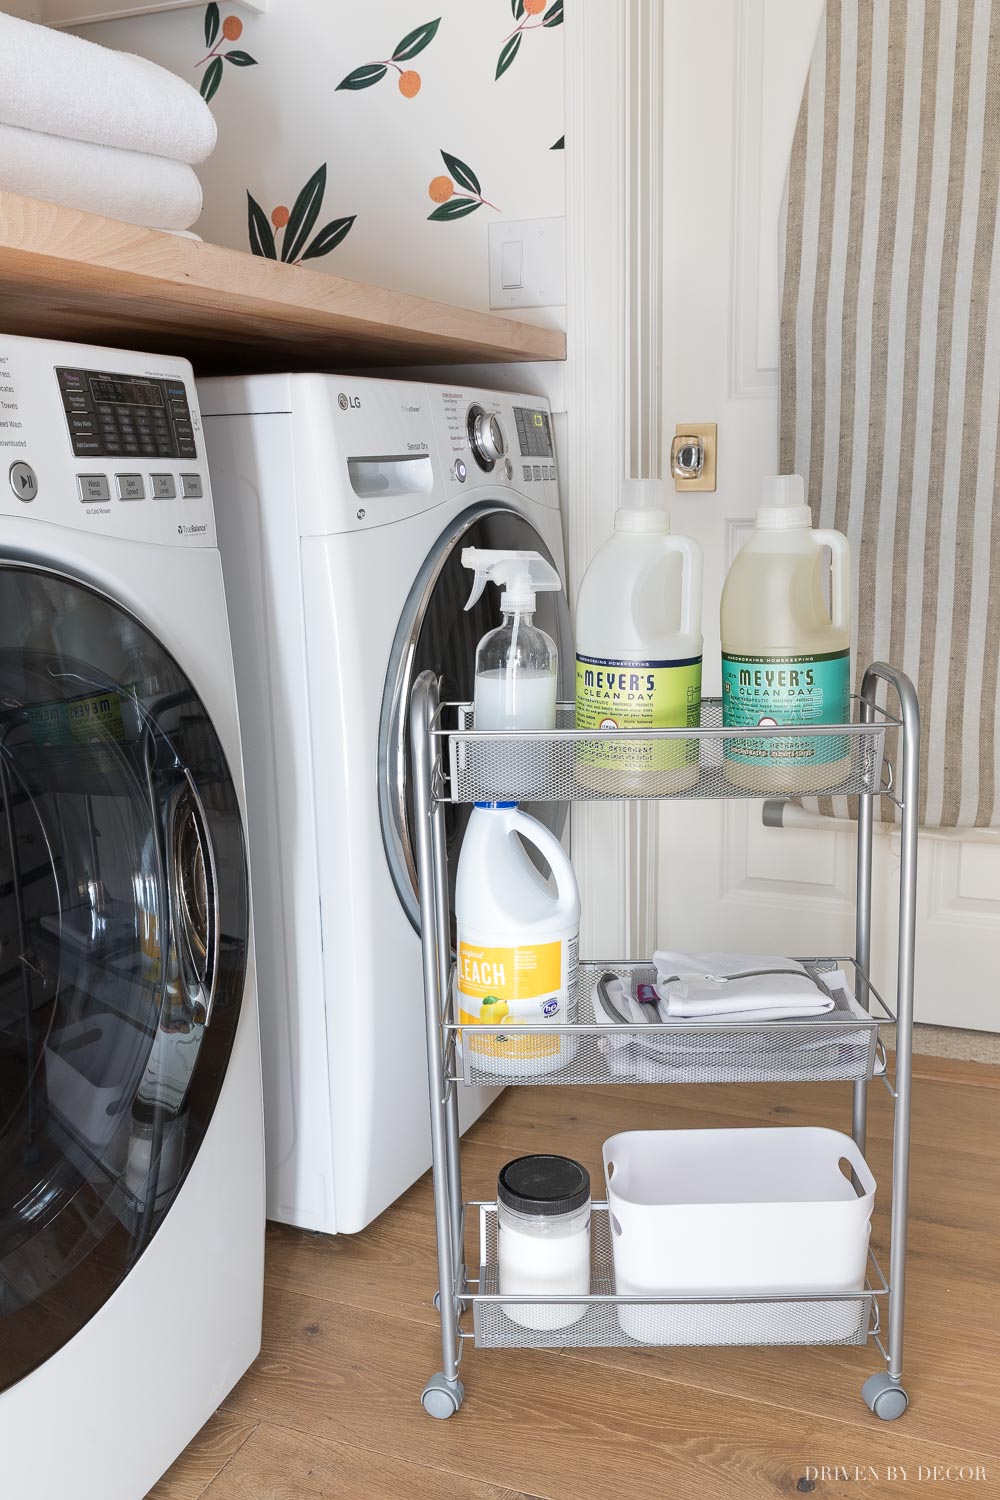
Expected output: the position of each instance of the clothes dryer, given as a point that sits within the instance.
(131, 1152)
(343, 506)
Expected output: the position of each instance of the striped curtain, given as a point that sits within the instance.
(890, 357)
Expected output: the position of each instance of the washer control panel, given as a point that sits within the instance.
(112, 414)
(103, 440)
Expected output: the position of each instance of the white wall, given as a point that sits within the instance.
(280, 119)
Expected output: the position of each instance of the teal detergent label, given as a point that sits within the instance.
(803, 690)
(626, 693)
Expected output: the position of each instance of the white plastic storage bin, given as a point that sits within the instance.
(738, 1212)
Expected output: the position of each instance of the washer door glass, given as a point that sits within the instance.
(435, 632)
(123, 949)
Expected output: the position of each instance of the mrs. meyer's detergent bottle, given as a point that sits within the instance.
(518, 943)
(786, 656)
(638, 650)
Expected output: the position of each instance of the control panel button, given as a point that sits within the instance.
(130, 487)
(460, 471)
(23, 481)
(536, 471)
(526, 471)
(163, 486)
(93, 488)
(191, 486)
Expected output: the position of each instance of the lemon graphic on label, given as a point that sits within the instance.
(493, 1011)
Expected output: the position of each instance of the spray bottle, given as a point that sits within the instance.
(517, 665)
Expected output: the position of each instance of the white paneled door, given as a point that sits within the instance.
(734, 72)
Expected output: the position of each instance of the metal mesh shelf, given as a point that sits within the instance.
(840, 1045)
(569, 764)
(607, 1321)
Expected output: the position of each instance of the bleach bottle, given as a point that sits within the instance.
(639, 649)
(517, 665)
(518, 942)
(786, 654)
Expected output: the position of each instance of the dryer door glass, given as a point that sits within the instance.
(435, 632)
(123, 949)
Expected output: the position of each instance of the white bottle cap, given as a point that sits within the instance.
(784, 503)
(643, 506)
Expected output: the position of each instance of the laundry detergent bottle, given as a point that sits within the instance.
(518, 943)
(517, 665)
(639, 649)
(786, 655)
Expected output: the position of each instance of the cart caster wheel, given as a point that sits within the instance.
(884, 1396)
(442, 1397)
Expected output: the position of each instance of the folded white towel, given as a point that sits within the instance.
(62, 85)
(768, 988)
(129, 185)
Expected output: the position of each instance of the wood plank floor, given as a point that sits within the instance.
(331, 1411)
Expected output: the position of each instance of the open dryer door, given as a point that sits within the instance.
(124, 930)
(436, 633)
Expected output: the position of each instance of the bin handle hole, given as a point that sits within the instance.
(610, 1169)
(615, 1224)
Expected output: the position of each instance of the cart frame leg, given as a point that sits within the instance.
(908, 802)
(443, 1393)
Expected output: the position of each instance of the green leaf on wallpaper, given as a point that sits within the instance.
(416, 41)
(456, 208)
(517, 9)
(211, 78)
(508, 52)
(241, 59)
(329, 237)
(554, 15)
(364, 77)
(211, 24)
(305, 212)
(260, 231)
(559, 145)
(463, 175)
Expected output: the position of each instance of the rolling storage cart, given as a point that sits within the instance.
(453, 762)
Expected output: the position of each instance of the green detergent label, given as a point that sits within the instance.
(766, 690)
(626, 693)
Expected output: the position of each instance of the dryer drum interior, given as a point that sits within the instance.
(124, 928)
(435, 632)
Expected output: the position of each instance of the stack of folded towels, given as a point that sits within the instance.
(89, 128)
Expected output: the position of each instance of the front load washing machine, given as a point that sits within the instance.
(131, 1151)
(343, 506)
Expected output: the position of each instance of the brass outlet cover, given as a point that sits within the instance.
(708, 432)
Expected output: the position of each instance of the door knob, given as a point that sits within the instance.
(687, 456)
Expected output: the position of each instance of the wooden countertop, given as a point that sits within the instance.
(72, 275)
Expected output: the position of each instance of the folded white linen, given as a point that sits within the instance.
(129, 185)
(62, 85)
(761, 986)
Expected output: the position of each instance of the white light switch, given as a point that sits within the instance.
(511, 264)
(528, 263)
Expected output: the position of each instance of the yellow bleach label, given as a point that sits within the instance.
(524, 985)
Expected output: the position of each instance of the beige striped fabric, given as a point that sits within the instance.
(890, 357)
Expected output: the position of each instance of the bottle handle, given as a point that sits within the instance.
(551, 850)
(692, 566)
(840, 565)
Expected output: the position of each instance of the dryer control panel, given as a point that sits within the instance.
(104, 440)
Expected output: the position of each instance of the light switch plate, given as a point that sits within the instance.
(538, 248)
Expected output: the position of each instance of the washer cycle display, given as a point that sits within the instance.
(123, 949)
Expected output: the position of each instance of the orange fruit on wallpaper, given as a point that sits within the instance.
(232, 28)
(534, 7)
(280, 216)
(441, 189)
(409, 83)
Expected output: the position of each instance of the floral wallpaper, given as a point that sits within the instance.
(376, 141)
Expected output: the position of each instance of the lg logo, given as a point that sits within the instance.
(344, 401)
